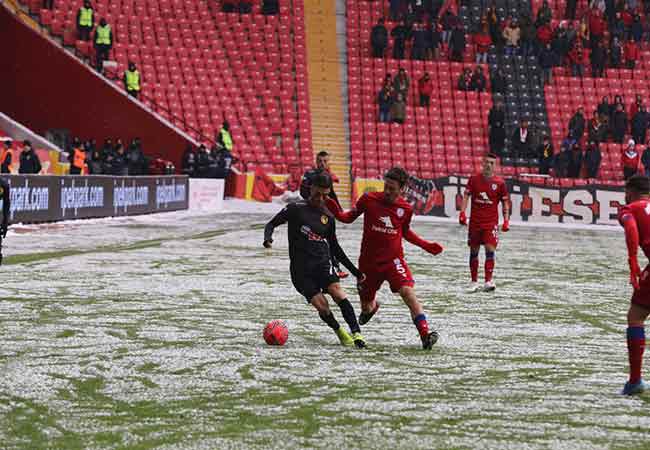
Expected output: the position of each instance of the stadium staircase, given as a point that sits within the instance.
(326, 103)
(200, 66)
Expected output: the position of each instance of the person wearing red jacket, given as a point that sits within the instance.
(425, 87)
(630, 54)
(577, 60)
(545, 34)
(482, 41)
(630, 159)
(597, 27)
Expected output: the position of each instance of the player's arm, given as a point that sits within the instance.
(411, 236)
(628, 222)
(462, 217)
(347, 216)
(280, 218)
(6, 205)
(340, 255)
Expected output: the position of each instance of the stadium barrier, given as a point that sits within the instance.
(441, 197)
(43, 198)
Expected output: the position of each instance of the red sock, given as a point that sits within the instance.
(635, 347)
(473, 266)
(422, 325)
(489, 265)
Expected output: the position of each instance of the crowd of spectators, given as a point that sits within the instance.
(472, 80)
(214, 163)
(112, 158)
(393, 96)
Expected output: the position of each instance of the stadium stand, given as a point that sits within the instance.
(197, 62)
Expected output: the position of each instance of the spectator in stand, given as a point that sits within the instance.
(95, 162)
(578, 57)
(544, 15)
(575, 161)
(270, 7)
(132, 80)
(482, 41)
(604, 109)
(401, 33)
(547, 60)
(76, 157)
(496, 123)
(630, 160)
(597, 131)
(561, 161)
(577, 124)
(379, 39)
(401, 83)
(619, 124)
(425, 87)
(615, 54)
(494, 24)
(6, 155)
(433, 40)
(636, 30)
(498, 82)
(521, 141)
(448, 22)
(598, 60)
(398, 109)
(245, 6)
(570, 10)
(135, 159)
(545, 153)
(478, 82)
(224, 138)
(635, 106)
(189, 161)
(617, 27)
(85, 21)
(512, 34)
(396, 9)
(544, 35)
(223, 159)
(640, 122)
(583, 32)
(29, 162)
(457, 43)
(203, 162)
(419, 49)
(597, 28)
(103, 43)
(528, 36)
(592, 159)
(631, 54)
(384, 100)
(48, 4)
(118, 161)
(627, 17)
(229, 6)
(465, 80)
(645, 160)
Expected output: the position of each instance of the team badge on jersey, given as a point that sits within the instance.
(494, 187)
(400, 212)
(324, 219)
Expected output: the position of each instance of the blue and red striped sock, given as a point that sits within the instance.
(489, 265)
(635, 347)
(421, 324)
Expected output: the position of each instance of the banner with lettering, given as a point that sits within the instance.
(42, 198)
(530, 202)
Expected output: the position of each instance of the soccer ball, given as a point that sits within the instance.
(276, 333)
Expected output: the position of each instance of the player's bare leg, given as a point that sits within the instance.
(339, 297)
(429, 338)
(322, 306)
(473, 268)
(369, 306)
(490, 252)
(636, 317)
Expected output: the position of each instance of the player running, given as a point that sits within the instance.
(312, 236)
(322, 165)
(486, 191)
(635, 219)
(387, 218)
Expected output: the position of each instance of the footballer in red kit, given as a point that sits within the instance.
(387, 218)
(635, 219)
(486, 191)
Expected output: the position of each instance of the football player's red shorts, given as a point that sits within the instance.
(477, 236)
(396, 272)
(641, 296)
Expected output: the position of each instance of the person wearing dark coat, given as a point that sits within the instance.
(645, 160)
(546, 154)
(379, 39)
(598, 58)
(95, 162)
(204, 162)
(561, 162)
(575, 161)
(385, 101)
(401, 33)
(498, 82)
(419, 49)
(496, 122)
(189, 161)
(478, 82)
(6, 158)
(577, 124)
(639, 125)
(521, 141)
(29, 161)
(119, 166)
(457, 43)
(135, 158)
(604, 109)
(547, 60)
(619, 124)
(597, 130)
(592, 160)
(616, 54)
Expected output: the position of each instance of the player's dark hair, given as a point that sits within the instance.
(322, 180)
(491, 155)
(398, 174)
(639, 184)
(322, 153)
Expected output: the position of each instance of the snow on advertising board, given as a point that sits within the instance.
(43, 198)
(590, 204)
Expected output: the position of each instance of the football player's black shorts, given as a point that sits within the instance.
(313, 281)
